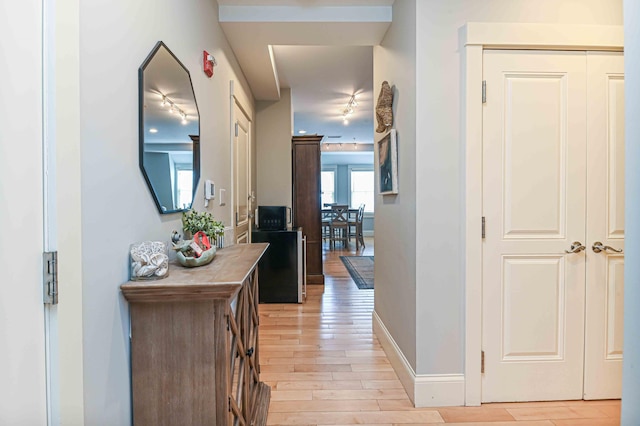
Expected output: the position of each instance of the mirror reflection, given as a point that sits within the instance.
(169, 131)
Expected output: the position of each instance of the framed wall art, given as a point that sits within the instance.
(388, 163)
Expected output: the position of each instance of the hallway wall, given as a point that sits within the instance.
(117, 209)
(274, 128)
(395, 218)
(631, 363)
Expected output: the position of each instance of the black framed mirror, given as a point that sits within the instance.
(169, 128)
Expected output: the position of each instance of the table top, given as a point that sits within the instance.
(325, 210)
(220, 279)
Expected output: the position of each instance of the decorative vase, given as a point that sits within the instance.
(190, 262)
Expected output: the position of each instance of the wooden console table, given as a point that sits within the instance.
(194, 343)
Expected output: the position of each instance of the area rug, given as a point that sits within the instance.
(361, 270)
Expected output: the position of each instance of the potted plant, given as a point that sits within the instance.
(204, 230)
(194, 222)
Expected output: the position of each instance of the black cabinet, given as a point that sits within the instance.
(281, 269)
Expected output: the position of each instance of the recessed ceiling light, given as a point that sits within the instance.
(153, 130)
(302, 132)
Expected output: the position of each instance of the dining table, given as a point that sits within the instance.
(327, 214)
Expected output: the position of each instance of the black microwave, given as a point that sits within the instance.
(272, 218)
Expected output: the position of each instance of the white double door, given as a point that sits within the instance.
(553, 187)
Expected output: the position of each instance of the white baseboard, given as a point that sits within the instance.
(439, 390)
(425, 390)
(396, 357)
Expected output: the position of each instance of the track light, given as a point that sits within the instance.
(349, 109)
(173, 108)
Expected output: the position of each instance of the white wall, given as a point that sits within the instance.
(274, 127)
(631, 365)
(395, 215)
(117, 208)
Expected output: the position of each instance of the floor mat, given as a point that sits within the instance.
(361, 270)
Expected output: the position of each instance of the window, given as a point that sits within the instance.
(362, 189)
(184, 186)
(328, 186)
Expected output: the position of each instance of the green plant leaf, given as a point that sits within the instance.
(194, 222)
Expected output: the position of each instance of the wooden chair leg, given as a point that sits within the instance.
(332, 241)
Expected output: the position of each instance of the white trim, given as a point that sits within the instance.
(233, 100)
(239, 97)
(425, 390)
(269, 14)
(477, 37)
(439, 390)
(238, 100)
(397, 359)
(360, 168)
(50, 220)
(331, 168)
(473, 223)
(545, 36)
(66, 54)
(274, 70)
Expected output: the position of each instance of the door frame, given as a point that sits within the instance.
(475, 38)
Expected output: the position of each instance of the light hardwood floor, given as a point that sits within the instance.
(326, 367)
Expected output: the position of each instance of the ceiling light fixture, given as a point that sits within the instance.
(173, 108)
(347, 147)
(153, 130)
(302, 132)
(348, 109)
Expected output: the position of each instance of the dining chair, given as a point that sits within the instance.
(326, 215)
(358, 227)
(339, 225)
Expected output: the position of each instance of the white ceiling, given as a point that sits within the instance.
(305, 2)
(322, 80)
(321, 49)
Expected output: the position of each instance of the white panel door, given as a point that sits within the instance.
(22, 323)
(605, 224)
(242, 177)
(534, 202)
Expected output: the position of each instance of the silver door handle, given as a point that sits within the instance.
(598, 247)
(576, 247)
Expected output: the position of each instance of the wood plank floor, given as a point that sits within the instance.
(325, 367)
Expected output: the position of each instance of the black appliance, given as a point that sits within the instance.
(272, 218)
(281, 270)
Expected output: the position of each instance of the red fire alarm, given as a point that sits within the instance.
(208, 63)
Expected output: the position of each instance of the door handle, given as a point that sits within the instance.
(598, 247)
(576, 247)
